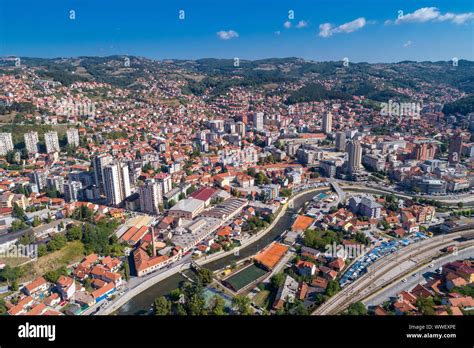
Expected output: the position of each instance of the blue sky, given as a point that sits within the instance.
(362, 30)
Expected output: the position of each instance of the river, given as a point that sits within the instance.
(141, 303)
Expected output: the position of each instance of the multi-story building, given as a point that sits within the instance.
(428, 185)
(56, 183)
(39, 179)
(374, 162)
(258, 120)
(165, 181)
(52, 142)
(98, 163)
(72, 190)
(365, 206)
(424, 151)
(455, 149)
(73, 137)
(6, 143)
(340, 141)
(240, 128)
(271, 191)
(327, 123)
(31, 142)
(116, 183)
(150, 197)
(354, 150)
(328, 167)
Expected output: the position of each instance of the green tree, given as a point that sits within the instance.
(175, 295)
(53, 276)
(161, 306)
(205, 276)
(196, 305)
(126, 270)
(277, 280)
(179, 309)
(332, 288)
(425, 305)
(241, 304)
(36, 222)
(42, 250)
(3, 307)
(18, 225)
(11, 274)
(357, 308)
(27, 238)
(217, 306)
(57, 242)
(74, 233)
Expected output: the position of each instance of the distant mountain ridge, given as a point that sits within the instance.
(376, 81)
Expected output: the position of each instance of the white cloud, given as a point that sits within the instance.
(302, 24)
(432, 14)
(408, 43)
(227, 35)
(287, 24)
(327, 30)
(457, 18)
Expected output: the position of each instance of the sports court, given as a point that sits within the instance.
(246, 276)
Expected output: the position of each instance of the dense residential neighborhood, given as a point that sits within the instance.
(106, 190)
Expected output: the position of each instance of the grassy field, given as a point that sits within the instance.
(14, 261)
(72, 252)
(261, 299)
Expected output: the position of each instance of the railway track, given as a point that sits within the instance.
(363, 286)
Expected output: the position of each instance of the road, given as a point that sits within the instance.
(414, 278)
(388, 269)
(137, 285)
(448, 201)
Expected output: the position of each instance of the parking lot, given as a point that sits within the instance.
(384, 249)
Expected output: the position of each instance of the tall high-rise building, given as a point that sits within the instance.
(216, 125)
(258, 120)
(39, 178)
(52, 142)
(455, 148)
(150, 197)
(327, 123)
(31, 142)
(424, 151)
(240, 128)
(98, 163)
(6, 143)
(55, 182)
(340, 141)
(72, 190)
(354, 150)
(73, 137)
(165, 181)
(116, 183)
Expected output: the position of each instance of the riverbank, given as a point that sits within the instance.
(216, 261)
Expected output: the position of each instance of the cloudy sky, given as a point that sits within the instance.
(361, 30)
